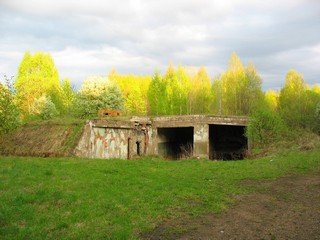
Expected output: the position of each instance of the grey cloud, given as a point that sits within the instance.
(138, 36)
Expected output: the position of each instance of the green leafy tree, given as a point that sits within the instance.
(113, 97)
(135, 91)
(218, 95)
(49, 110)
(298, 104)
(250, 94)
(317, 119)
(135, 103)
(183, 90)
(9, 113)
(97, 93)
(272, 99)
(157, 96)
(310, 112)
(68, 95)
(43, 108)
(202, 92)
(316, 88)
(240, 88)
(265, 125)
(37, 76)
(171, 99)
(291, 98)
(230, 84)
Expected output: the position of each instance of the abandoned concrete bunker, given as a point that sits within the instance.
(172, 137)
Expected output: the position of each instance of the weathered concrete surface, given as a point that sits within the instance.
(115, 139)
(107, 138)
(201, 140)
(191, 120)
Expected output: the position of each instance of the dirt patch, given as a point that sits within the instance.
(287, 208)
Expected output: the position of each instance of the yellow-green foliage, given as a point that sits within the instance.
(9, 114)
(298, 104)
(97, 93)
(37, 77)
(179, 91)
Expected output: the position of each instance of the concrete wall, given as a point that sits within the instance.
(201, 141)
(164, 140)
(84, 146)
(110, 139)
(110, 142)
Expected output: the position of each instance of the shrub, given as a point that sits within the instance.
(265, 126)
(9, 113)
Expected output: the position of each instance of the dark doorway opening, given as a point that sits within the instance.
(227, 142)
(175, 143)
(138, 148)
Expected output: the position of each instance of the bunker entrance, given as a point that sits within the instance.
(175, 143)
(227, 142)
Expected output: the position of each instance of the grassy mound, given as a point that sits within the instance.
(297, 140)
(42, 138)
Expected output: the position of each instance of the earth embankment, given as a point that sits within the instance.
(45, 138)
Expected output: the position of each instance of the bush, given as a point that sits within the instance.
(49, 110)
(9, 113)
(317, 120)
(43, 108)
(97, 93)
(265, 126)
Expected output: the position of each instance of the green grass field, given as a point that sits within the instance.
(69, 198)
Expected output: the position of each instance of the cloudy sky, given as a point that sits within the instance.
(91, 37)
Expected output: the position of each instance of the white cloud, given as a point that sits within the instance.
(8, 63)
(83, 63)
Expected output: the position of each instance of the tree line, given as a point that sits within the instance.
(38, 93)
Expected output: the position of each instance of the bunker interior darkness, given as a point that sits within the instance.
(227, 142)
(175, 143)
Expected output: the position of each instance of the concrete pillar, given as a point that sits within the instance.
(201, 141)
(130, 148)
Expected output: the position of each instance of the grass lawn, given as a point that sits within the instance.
(69, 198)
